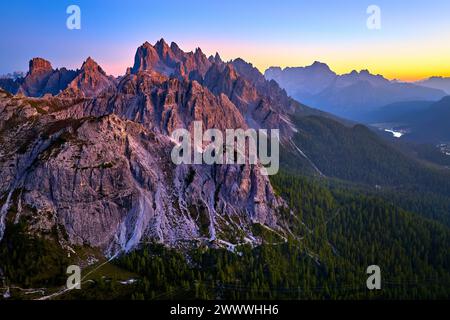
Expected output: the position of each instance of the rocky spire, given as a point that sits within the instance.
(162, 47)
(34, 84)
(177, 51)
(39, 66)
(91, 67)
(146, 58)
(217, 58)
(91, 80)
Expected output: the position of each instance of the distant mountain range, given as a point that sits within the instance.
(42, 79)
(440, 83)
(351, 95)
(14, 75)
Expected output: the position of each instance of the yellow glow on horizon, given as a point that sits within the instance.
(411, 60)
(400, 69)
(406, 62)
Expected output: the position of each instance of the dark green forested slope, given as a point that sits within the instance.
(413, 252)
(357, 154)
(340, 225)
(326, 258)
(336, 235)
(359, 157)
(31, 261)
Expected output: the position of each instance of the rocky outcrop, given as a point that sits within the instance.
(165, 104)
(98, 170)
(262, 103)
(41, 79)
(216, 59)
(147, 58)
(90, 81)
(93, 162)
(171, 61)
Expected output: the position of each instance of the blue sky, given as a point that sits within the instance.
(414, 40)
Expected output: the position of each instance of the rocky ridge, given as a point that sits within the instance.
(93, 161)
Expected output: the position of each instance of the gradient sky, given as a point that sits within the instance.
(414, 41)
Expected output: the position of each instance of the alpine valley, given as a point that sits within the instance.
(86, 178)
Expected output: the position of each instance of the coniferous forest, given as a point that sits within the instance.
(343, 234)
(336, 235)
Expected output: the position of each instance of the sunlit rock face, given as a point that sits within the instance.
(92, 163)
(42, 79)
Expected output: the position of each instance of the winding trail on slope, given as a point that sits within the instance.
(65, 289)
(306, 157)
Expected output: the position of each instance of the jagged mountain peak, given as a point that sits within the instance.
(42, 79)
(174, 46)
(162, 48)
(161, 43)
(198, 51)
(146, 44)
(171, 60)
(319, 64)
(362, 72)
(362, 75)
(259, 100)
(90, 80)
(176, 49)
(240, 60)
(39, 65)
(148, 57)
(217, 57)
(91, 66)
